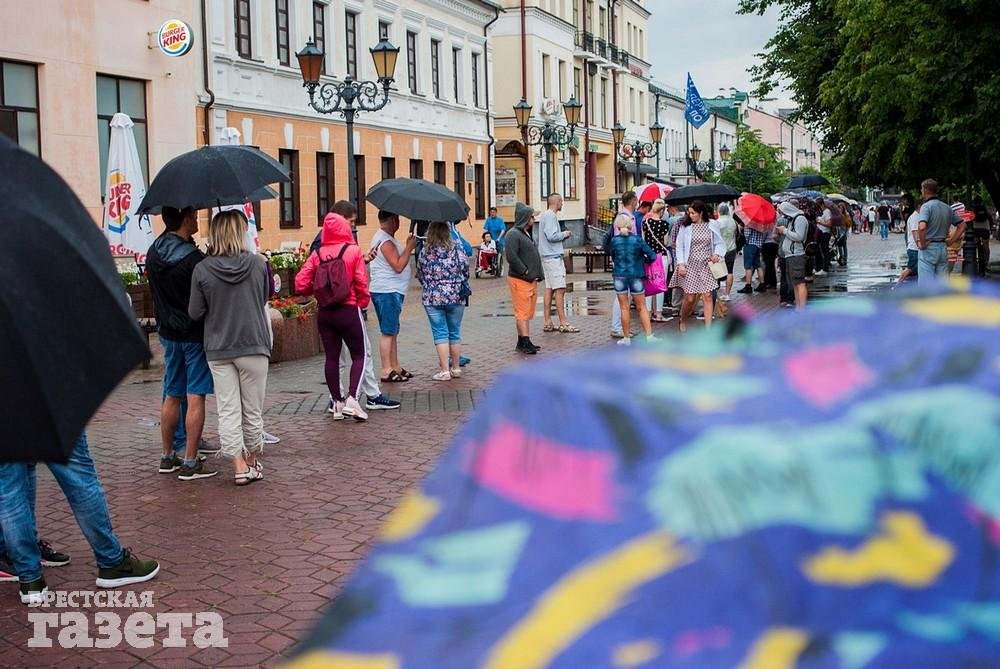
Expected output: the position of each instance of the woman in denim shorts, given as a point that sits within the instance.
(630, 255)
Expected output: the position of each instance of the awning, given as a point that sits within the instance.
(629, 167)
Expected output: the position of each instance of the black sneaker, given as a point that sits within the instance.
(381, 402)
(130, 570)
(169, 463)
(525, 348)
(199, 471)
(761, 288)
(7, 572)
(50, 557)
(33, 593)
(746, 290)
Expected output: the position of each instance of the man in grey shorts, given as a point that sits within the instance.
(550, 247)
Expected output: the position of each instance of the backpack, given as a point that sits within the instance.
(332, 281)
(812, 238)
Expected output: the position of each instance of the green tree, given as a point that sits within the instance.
(902, 90)
(748, 152)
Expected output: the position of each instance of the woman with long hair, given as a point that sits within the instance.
(656, 233)
(341, 323)
(443, 271)
(699, 243)
(229, 289)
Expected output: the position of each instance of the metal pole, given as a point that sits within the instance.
(970, 247)
(352, 186)
(657, 121)
(638, 157)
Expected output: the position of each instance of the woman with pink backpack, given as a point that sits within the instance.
(335, 273)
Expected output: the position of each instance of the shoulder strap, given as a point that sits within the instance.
(343, 250)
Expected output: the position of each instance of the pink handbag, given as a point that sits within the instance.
(656, 277)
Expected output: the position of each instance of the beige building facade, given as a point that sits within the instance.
(69, 65)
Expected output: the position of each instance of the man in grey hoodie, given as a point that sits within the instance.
(794, 228)
(524, 272)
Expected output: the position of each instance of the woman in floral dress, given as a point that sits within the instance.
(699, 242)
(443, 271)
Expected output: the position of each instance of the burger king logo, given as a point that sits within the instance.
(119, 201)
(175, 38)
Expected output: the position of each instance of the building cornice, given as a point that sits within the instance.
(551, 19)
(386, 5)
(470, 10)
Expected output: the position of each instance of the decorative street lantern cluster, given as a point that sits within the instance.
(348, 97)
(711, 165)
(749, 172)
(549, 135)
(637, 150)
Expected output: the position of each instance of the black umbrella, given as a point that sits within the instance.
(264, 193)
(706, 192)
(213, 176)
(67, 332)
(807, 181)
(418, 199)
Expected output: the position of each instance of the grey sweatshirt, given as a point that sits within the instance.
(523, 261)
(550, 235)
(229, 292)
(793, 242)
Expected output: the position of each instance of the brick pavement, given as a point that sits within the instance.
(269, 556)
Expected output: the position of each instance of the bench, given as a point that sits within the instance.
(591, 257)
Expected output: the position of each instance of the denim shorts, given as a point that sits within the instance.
(446, 323)
(388, 306)
(185, 369)
(633, 286)
(911, 260)
(751, 256)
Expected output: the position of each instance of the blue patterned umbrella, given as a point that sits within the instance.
(821, 491)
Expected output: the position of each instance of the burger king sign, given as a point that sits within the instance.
(175, 37)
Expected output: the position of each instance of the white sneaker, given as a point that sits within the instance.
(652, 338)
(353, 409)
(271, 439)
(625, 341)
(819, 272)
(337, 409)
(724, 297)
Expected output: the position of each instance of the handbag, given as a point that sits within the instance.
(656, 277)
(719, 270)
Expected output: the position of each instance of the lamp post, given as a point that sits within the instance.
(637, 150)
(349, 96)
(548, 135)
(749, 172)
(711, 165)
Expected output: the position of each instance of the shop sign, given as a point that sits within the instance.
(175, 38)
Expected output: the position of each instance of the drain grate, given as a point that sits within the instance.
(419, 401)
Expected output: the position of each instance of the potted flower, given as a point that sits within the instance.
(286, 265)
(138, 290)
(293, 320)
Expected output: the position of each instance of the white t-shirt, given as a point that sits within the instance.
(871, 215)
(825, 217)
(489, 247)
(384, 279)
(912, 224)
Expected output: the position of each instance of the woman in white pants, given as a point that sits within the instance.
(228, 290)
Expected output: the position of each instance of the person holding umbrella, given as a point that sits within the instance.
(524, 271)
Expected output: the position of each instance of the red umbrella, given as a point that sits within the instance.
(756, 212)
(653, 192)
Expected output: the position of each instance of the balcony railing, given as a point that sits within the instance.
(601, 48)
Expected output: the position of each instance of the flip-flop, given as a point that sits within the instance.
(394, 377)
(405, 374)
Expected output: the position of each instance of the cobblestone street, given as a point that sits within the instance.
(267, 558)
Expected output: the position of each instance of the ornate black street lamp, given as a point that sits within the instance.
(348, 97)
(711, 165)
(549, 135)
(749, 172)
(637, 150)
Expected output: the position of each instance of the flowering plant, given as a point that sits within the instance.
(130, 274)
(293, 307)
(288, 259)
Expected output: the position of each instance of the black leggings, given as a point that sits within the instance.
(339, 325)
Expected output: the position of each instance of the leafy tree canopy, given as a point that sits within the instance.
(750, 177)
(901, 89)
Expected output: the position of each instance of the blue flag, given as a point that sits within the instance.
(695, 111)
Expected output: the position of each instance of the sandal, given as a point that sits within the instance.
(549, 328)
(394, 377)
(249, 476)
(568, 328)
(405, 374)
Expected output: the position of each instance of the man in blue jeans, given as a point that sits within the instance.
(116, 566)
(936, 219)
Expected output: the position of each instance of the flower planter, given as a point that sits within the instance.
(294, 338)
(287, 277)
(142, 300)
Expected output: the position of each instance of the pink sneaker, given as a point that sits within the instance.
(353, 409)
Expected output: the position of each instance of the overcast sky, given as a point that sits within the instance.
(726, 45)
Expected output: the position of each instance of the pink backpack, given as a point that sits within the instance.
(332, 281)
